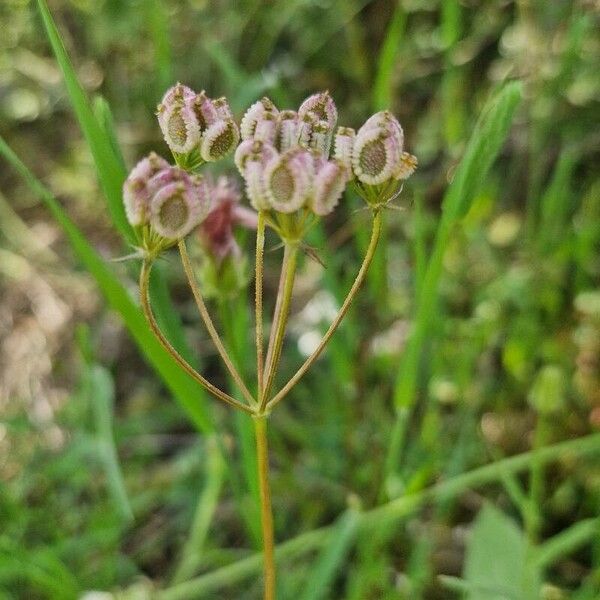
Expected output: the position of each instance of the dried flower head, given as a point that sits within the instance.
(406, 167)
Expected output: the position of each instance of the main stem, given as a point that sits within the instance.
(266, 512)
(362, 273)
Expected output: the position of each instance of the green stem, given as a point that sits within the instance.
(387, 514)
(262, 453)
(533, 515)
(360, 277)
(147, 308)
(214, 335)
(288, 273)
(258, 303)
(207, 503)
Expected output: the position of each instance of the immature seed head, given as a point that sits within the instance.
(266, 127)
(287, 130)
(254, 114)
(219, 140)
(179, 205)
(377, 149)
(205, 110)
(320, 138)
(257, 150)
(137, 192)
(306, 125)
(288, 180)
(322, 106)
(255, 183)
(344, 146)
(223, 109)
(329, 184)
(178, 121)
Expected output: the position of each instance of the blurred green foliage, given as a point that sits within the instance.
(509, 359)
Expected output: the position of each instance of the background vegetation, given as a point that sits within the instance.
(390, 468)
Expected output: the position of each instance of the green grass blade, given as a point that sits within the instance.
(382, 87)
(185, 390)
(158, 22)
(419, 242)
(40, 570)
(557, 202)
(205, 510)
(101, 393)
(567, 541)
(483, 147)
(106, 121)
(110, 171)
(332, 556)
(453, 79)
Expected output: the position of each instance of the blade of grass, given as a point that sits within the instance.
(110, 171)
(100, 390)
(158, 21)
(419, 243)
(388, 514)
(384, 78)
(565, 542)
(485, 143)
(40, 570)
(184, 389)
(332, 556)
(453, 78)
(207, 504)
(107, 124)
(556, 203)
